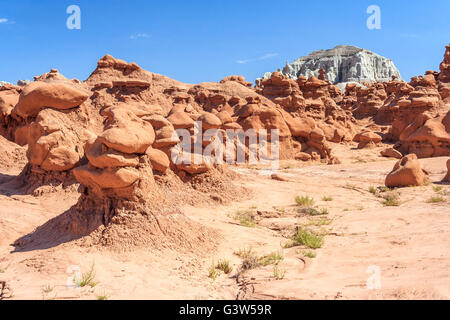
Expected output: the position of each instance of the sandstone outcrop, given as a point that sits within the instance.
(447, 177)
(407, 172)
(444, 76)
(38, 95)
(391, 153)
(343, 64)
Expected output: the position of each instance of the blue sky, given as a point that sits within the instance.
(205, 40)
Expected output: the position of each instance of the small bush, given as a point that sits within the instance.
(320, 222)
(224, 265)
(245, 218)
(373, 190)
(309, 254)
(304, 201)
(46, 290)
(273, 258)
(103, 297)
(304, 237)
(327, 199)
(87, 279)
(436, 199)
(278, 274)
(250, 262)
(213, 273)
(437, 188)
(243, 253)
(391, 199)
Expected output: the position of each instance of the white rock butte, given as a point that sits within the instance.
(343, 64)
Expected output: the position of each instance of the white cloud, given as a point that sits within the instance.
(3, 20)
(140, 36)
(263, 57)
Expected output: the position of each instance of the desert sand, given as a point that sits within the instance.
(408, 243)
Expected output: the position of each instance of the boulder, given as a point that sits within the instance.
(209, 121)
(447, 177)
(407, 172)
(38, 95)
(109, 178)
(181, 120)
(100, 156)
(127, 133)
(391, 153)
(159, 160)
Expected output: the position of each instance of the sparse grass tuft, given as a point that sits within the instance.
(272, 258)
(213, 273)
(436, 199)
(278, 274)
(309, 254)
(350, 186)
(87, 279)
(46, 290)
(320, 222)
(250, 262)
(391, 199)
(304, 201)
(243, 253)
(224, 265)
(245, 218)
(327, 199)
(373, 190)
(307, 238)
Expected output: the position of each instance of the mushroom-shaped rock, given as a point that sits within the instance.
(100, 156)
(159, 160)
(181, 120)
(367, 138)
(60, 159)
(447, 177)
(317, 134)
(8, 100)
(299, 127)
(128, 133)
(110, 178)
(38, 95)
(391, 153)
(225, 117)
(247, 110)
(209, 121)
(406, 172)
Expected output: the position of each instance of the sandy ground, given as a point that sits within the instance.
(406, 247)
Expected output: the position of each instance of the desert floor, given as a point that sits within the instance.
(409, 244)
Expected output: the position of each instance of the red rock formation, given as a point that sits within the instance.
(313, 98)
(369, 100)
(427, 136)
(407, 172)
(447, 177)
(424, 98)
(444, 76)
(238, 79)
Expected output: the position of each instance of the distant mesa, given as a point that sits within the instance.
(343, 64)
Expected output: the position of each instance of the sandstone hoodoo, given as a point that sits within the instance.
(444, 76)
(407, 172)
(447, 177)
(125, 135)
